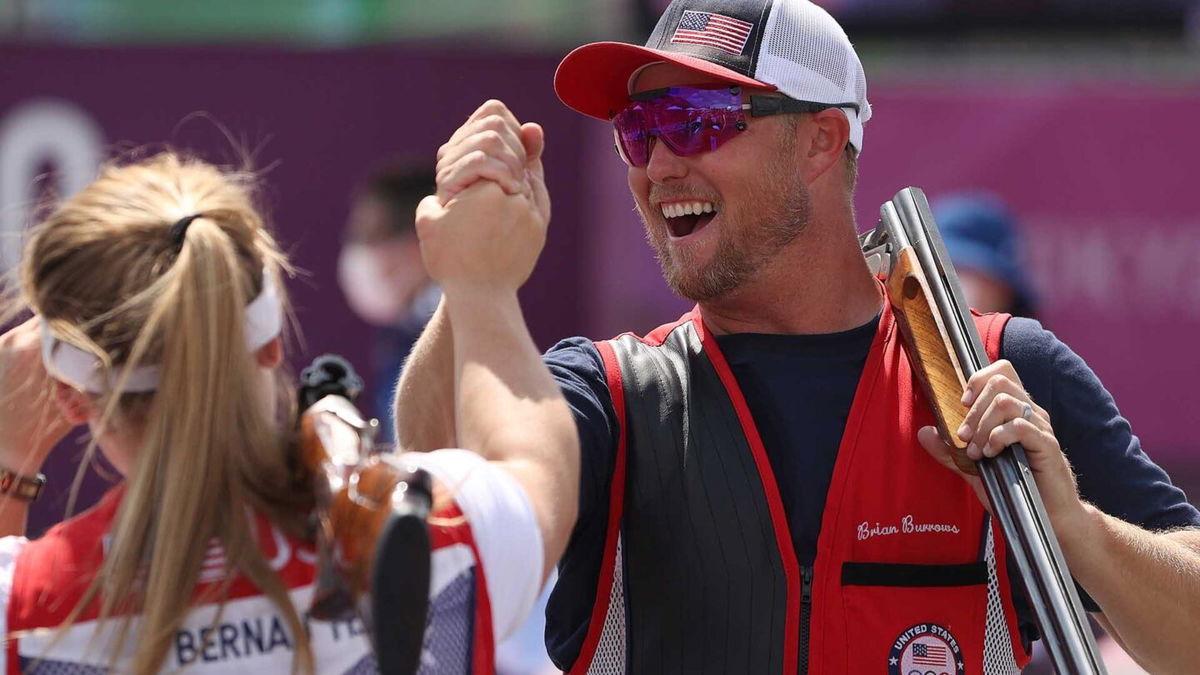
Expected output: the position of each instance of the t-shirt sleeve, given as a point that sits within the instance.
(10, 548)
(577, 367)
(503, 527)
(1112, 470)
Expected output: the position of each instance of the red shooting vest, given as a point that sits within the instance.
(699, 572)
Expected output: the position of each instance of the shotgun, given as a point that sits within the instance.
(373, 550)
(906, 250)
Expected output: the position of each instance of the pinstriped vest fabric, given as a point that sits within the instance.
(695, 514)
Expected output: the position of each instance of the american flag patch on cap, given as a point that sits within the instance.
(712, 30)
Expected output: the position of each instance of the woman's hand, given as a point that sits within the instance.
(30, 421)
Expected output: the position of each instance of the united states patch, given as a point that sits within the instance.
(713, 30)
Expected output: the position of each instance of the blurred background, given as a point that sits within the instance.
(1078, 116)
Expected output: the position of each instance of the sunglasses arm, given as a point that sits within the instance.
(762, 106)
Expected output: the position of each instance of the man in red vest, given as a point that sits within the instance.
(762, 489)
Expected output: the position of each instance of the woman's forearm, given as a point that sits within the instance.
(424, 404)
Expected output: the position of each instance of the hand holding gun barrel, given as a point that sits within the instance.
(955, 372)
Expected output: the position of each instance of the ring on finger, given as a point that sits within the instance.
(1027, 413)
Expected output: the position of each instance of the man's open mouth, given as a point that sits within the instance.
(684, 218)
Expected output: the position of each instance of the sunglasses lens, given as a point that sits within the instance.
(693, 131)
(633, 135)
(689, 121)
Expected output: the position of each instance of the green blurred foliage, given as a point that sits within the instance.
(315, 22)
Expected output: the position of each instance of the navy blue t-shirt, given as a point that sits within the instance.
(800, 389)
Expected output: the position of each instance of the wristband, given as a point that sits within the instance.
(25, 488)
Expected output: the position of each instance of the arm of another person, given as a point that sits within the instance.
(1147, 584)
(480, 244)
(491, 145)
(424, 404)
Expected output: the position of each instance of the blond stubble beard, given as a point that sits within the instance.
(767, 220)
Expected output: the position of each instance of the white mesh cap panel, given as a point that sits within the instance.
(808, 56)
(860, 92)
(798, 38)
(998, 656)
(611, 653)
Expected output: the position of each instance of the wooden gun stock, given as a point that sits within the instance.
(373, 549)
(936, 366)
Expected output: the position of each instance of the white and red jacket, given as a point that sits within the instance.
(486, 574)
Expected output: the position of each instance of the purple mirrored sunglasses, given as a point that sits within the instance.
(692, 120)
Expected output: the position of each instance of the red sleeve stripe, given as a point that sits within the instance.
(616, 501)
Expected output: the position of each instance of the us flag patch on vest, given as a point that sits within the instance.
(925, 649)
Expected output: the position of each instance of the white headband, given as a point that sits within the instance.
(80, 369)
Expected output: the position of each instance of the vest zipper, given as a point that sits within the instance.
(806, 575)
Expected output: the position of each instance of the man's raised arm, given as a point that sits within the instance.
(491, 145)
(480, 244)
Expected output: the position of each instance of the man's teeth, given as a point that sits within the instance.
(676, 209)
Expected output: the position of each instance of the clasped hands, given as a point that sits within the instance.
(486, 225)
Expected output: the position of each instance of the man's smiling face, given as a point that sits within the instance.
(715, 218)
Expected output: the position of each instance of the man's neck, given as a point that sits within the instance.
(818, 284)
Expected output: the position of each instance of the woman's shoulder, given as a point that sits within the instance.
(84, 528)
(66, 556)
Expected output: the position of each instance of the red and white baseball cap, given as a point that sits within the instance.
(790, 46)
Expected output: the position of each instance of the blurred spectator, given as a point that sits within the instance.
(985, 246)
(381, 273)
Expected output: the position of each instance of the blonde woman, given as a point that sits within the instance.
(157, 309)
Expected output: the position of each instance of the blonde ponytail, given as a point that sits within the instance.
(213, 446)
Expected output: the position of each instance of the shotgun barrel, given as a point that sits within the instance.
(906, 250)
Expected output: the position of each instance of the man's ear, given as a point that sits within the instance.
(270, 355)
(824, 141)
(75, 406)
